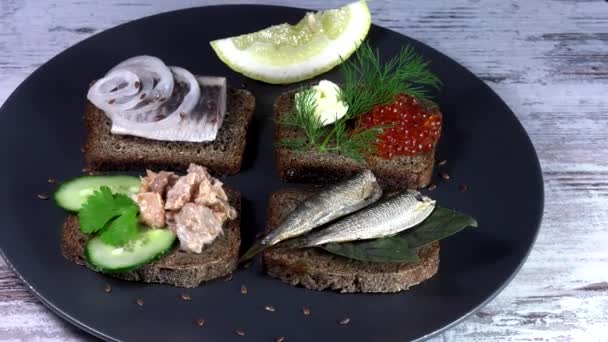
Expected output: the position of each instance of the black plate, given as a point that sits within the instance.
(42, 131)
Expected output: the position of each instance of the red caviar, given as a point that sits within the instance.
(414, 129)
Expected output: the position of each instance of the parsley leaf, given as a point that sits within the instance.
(103, 206)
(121, 230)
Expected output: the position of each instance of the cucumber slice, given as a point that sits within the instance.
(72, 194)
(149, 245)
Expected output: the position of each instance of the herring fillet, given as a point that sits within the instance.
(386, 218)
(198, 124)
(327, 205)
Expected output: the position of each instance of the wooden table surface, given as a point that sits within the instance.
(547, 59)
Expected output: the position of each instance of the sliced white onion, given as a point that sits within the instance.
(129, 84)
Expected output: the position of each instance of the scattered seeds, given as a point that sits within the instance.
(52, 180)
(185, 296)
(243, 289)
(444, 175)
(344, 321)
(305, 311)
(240, 332)
(140, 302)
(108, 288)
(280, 339)
(442, 162)
(270, 308)
(431, 187)
(463, 188)
(43, 196)
(200, 322)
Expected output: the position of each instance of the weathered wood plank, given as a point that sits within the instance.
(547, 59)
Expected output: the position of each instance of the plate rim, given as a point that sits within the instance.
(537, 169)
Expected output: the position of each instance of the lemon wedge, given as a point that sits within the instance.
(291, 53)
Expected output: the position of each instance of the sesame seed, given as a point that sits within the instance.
(112, 101)
(463, 188)
(140, 302)
(442, 162)
(43, 197)
(344, 321)
(270, 308)
(243, 289)
(279, 339)
(305, 311)
(137, 84)
(52, 180)
(444, 175)
(228, 278)
(108, 288)
(240, 332)
(200, 322)
(432, 187)
(142, 96)
(185, 296)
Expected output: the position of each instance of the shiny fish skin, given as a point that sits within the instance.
(325, 206)
(386, 218)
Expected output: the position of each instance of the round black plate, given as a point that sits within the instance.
(42, 131)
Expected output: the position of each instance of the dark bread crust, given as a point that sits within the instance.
(223, 156)
(316, 269)
(315, 167)
(177, 268)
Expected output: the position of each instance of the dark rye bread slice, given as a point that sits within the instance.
(223, 156)
(177, 268)
(317, 269)
(316, 167)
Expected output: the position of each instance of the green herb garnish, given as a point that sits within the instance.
(114, 216)
(404, 246)
(367, 83)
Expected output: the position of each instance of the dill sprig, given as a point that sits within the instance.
(302, 116)
(369, 83)
(337, 137)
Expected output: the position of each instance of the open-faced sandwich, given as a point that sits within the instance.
(346, 237)
(144, 114)
(127, 226)
(379, 118)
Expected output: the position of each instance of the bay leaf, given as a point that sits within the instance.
(403, 247)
